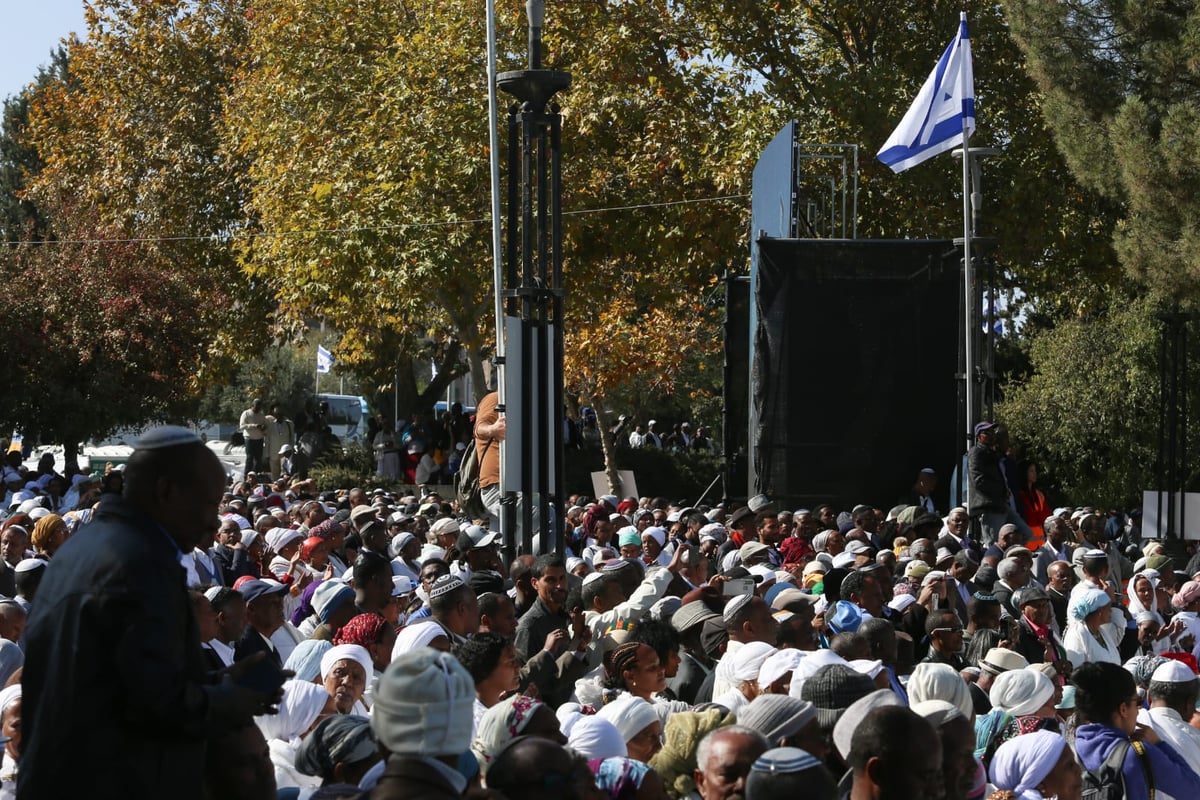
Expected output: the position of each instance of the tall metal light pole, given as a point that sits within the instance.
(533, 298)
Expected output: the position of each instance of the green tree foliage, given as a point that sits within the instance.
(19, 160)
(1122, 95)
(1089, 409)
(280, 373)
(847, 72)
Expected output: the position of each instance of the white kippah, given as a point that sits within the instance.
(1173, 672)
(735, 605)
(445, 585)
(29, 565)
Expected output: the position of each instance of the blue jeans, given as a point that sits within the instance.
(990, 523)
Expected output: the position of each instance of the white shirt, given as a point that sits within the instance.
(1082, 647)
(250, 422)
(722, 683)
(188, 562)
(223, 651)
(1175, 731)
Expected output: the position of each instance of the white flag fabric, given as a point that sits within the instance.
(324, 359)
(945, 104)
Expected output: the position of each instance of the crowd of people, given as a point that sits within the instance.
(176, 632)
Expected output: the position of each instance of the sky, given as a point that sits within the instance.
(30, 31)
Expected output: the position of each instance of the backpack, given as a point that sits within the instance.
(466, 482)
(1107, 783)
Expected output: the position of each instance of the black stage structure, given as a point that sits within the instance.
(853, 360)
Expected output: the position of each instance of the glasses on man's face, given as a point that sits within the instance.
(948, 630)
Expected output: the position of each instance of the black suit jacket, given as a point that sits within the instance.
(251, 643)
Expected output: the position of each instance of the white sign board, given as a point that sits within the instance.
(1186, 518)
(628, 487)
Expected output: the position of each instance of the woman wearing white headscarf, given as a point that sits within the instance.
(654, 543)
(418, 635)
(746, 664)
(345, 670)
(931, 681)
(638, 723)
(1090, 634)
(303, 705)
(1142, 593)
(10, 726)
(593, 737)
(1023, 693)
(1035, 766)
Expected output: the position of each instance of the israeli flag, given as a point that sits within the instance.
(943, 110)
(324, 359)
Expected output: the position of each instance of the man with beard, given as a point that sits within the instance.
(795, 630)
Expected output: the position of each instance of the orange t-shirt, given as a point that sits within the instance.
(487, 450)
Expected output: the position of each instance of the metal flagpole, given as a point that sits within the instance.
(497, 237)
(968, 285)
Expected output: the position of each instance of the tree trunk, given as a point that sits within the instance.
(607, 446)
(70, 453)
(407, 397)
(447, 372)
(479, 373)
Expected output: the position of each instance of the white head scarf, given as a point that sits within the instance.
(630, 714)
(1135, 605)
(657, 534)
(1021, 692)
(347, 652)
(940, 682)
(301, 705)
(594, 737)
(414, 637)
(748, 661)
(1023, 762)
(9, 696)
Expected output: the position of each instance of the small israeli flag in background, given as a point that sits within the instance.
(324, 359)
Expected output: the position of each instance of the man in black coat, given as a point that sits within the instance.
(114, 673)
(987, 491)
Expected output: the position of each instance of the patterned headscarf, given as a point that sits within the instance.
(340, 739)
(619, 778)
(363, 630)
(501, 724)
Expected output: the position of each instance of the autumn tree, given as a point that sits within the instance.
(367, 128)
(99, 334)
(131, 144)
